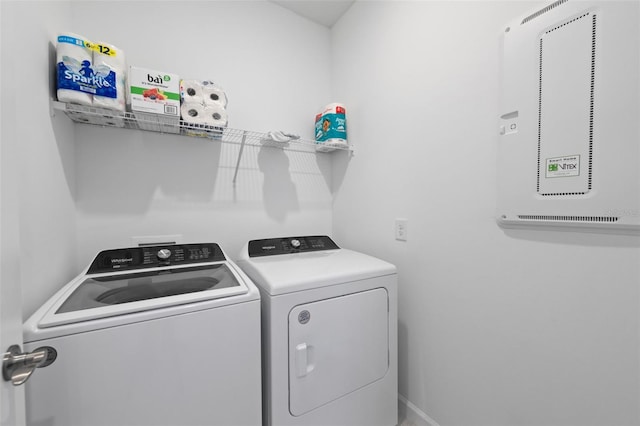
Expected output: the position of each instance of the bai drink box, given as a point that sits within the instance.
(154, 97)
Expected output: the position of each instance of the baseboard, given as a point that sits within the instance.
(410, 415)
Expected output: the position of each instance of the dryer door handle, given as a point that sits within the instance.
(304, 359)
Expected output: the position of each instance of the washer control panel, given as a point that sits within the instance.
(155, 256)
(287, 245)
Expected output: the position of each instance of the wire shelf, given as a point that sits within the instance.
(161, 124)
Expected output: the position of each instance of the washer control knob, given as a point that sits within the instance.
(164, 254)
(295, 243)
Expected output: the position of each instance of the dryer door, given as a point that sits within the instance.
(336, 346)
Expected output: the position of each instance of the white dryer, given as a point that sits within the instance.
(163, 335)
(329, 318)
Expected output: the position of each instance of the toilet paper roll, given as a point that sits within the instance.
(199, 120)
(73, 63)
(191, 91)
(216, 115)
(213, 94)
(193, 112)
(109, 64)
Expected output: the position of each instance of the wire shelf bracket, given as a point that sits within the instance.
(104, 117)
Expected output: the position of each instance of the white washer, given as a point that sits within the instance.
(163, 335)
(329, 318)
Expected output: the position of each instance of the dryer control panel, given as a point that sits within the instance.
(155, 256)
(287, 245)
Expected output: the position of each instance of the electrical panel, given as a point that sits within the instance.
(569, 130)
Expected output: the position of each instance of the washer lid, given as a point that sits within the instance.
(286, 273)
(113, 294)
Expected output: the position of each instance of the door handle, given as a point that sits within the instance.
(304, 359)
(17, 366)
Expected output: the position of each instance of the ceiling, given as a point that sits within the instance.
(324, 12)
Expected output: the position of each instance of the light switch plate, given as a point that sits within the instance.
(401, 229)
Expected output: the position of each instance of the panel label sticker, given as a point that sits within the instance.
(567, 166)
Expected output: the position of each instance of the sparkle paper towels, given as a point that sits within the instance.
(109, 64)
(91, 74)
(75, 77)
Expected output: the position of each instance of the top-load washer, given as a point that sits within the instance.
(162, 335)
(329, 319)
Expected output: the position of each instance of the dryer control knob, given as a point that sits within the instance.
(295, 243)
(164, 254)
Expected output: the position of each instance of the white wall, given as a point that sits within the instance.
(496, 327)
(41, 146)
(486, 338)
(83, 189)
(274, 66)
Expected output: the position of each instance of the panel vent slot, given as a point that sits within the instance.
(563, 194)
(569, 22)
(549, 94)
(591, 219)
(542, 11)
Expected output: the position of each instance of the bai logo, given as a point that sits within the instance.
(158, 79)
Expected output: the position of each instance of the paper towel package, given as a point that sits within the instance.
(109, 63)
(76, 81)
(331, 127)
(154, 97)
(89, 73)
